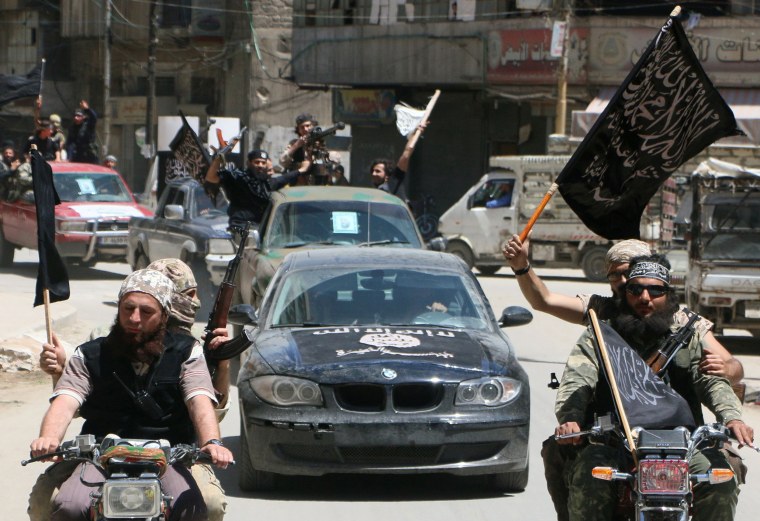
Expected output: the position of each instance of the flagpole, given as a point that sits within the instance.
(412, 141)
(613, 383)
(537, 212)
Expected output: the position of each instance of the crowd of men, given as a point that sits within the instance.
(150, 342)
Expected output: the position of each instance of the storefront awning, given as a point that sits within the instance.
(745, 103)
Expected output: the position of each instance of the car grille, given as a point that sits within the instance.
(375, 398)
(109, 226)
(393, 456)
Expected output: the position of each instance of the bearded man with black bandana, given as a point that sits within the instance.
(646, 317)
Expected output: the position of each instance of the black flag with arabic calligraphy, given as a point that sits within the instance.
(647, 400)
(190, 157)
(665, 112)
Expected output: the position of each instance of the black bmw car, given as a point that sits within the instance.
(385, 361)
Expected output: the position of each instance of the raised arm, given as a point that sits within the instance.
(570, 309)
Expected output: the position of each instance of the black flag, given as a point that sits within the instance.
(15, 87)
(190, 157)
(648, 402)
(51, 273)
(665, 112)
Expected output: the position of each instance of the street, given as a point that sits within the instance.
(541, 345)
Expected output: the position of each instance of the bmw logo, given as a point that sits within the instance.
(389, 374)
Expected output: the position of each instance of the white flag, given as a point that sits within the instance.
(407, 118)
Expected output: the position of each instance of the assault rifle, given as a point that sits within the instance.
(227, 146)
(661, 358)
(218, 316)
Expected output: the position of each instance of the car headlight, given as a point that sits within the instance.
(286, 391)
(72, 226)
(132, 498)
(489, 391)
(220, 247)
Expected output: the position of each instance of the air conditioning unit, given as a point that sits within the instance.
(534, 5)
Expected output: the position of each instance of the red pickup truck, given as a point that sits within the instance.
(90, 223)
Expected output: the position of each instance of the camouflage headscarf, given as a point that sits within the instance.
(152, 282)
(623, 251)
(184, 307)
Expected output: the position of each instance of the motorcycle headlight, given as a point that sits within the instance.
(286, 391)
(490, 391)
(659, 476)
(132, 498)
(67, 226)
(221, 247)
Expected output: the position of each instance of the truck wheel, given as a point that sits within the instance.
(6, 252)
(488, 270)
(462, 251)
(141, 261)
(593, 264)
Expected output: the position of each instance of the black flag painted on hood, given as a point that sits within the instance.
(665, 112)
(15, 87)
(51, 273)
(647, 401)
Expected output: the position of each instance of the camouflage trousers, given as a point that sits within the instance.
(576, 495)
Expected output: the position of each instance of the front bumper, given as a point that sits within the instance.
(318, 441)
(216, 265)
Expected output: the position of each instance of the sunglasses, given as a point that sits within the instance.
(615, 276)
(653, 290)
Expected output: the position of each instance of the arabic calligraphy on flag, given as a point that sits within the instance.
(664, 113)
(647, 400)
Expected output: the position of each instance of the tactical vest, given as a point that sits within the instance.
(111, 409)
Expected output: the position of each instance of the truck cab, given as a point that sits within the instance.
(500, 204)
(724, 250)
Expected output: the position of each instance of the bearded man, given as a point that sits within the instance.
(100, 380)
(648, 315)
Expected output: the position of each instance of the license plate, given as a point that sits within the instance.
(120, 240)
(752, 309)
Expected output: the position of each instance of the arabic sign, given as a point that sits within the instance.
(613, 51)
(525, 56)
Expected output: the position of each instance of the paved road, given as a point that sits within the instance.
(542, 346)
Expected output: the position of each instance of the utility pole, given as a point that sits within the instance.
(151, 100)
(561, 112)
(107, 79)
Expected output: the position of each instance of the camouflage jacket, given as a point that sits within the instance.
(575, 396)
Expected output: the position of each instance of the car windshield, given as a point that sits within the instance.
(92, 187)
(340, 222)
(384, 297)
(732, 246)
(207, 206)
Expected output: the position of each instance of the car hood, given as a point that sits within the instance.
(96, 210)
(340, 354)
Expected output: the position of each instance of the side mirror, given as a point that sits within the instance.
(470, 201)
(174, 212)
(515, 316)
(242, 315)
(438, 243)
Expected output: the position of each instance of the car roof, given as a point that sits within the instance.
(62, 167)
(333, 193)
(373, 257)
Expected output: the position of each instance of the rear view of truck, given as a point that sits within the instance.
(724, 251)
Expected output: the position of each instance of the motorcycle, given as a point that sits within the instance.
(423, 210)
(659, 486)
(132, 469)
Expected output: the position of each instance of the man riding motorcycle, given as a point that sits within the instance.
(140, 381)
(645, 320)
